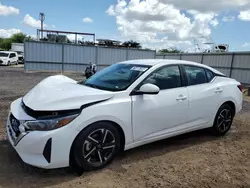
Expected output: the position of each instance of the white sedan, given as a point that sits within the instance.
(61, 122)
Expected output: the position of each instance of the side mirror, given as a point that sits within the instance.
(150, 89)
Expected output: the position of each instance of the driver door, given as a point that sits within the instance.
(166, 112)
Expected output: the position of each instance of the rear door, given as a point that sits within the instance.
(204, 95)
(156, 115)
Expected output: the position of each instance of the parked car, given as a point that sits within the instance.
(8, 58)
(61, 122)
(20, 57)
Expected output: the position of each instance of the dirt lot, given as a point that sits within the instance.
(193, 160)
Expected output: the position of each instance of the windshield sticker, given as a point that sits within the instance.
(141, 69)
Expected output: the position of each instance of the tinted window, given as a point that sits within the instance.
(195, 75)
(2, 54)
(165, 78)
(210, 75)
(12, 55)
(116, 77)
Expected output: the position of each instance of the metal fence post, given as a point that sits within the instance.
(96, 55)
(231, 66)
(25, 55)
(62, 58)
(127, 54)
(202, 57)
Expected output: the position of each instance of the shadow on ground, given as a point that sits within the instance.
(13, 172)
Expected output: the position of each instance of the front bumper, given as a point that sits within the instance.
(44, 149)
(3, 62)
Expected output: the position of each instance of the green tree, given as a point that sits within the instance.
(131, 44)
(5, 44)
(18, 38)
(170, 50)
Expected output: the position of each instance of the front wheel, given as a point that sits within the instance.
(223, 120)
(96, 146)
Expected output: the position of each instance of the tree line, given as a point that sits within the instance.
(5, 43)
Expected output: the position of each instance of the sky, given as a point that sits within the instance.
(156, 24)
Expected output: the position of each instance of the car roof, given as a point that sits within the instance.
(162, 62)
(8, 52)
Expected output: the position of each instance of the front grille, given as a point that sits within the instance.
(47, 114)
(15, 123)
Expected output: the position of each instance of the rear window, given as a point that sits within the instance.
(195, 75)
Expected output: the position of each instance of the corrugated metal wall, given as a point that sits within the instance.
(68, 57)
(191, 57)
(235, 65)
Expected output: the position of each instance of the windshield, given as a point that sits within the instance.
(4, 54)
(116, 77)
(20, 53)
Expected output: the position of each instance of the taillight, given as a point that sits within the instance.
(240, 87)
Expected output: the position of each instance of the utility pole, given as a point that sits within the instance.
(42, 18)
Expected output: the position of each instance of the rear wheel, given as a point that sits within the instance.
(223, 120)
(96, 146)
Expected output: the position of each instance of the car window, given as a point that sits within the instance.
(165, 78)
(210, 75)
(12, 55)
(195, 75)
(116, 77)
(2, 54)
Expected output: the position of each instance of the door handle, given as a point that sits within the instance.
(218, 90)
(181, 98)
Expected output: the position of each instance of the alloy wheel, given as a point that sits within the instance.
(224, 120)
(99, 147)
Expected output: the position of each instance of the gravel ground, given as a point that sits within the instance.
(196, 159)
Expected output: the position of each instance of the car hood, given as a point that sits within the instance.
(4, 58)
(62, 93)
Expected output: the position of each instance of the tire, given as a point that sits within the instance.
(96, 146)
(223, 120)
(16, 63)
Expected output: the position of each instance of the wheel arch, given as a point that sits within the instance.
(232, 105)
(118, 127)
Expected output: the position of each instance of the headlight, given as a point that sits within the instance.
(49, 124)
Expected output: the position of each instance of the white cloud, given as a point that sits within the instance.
(228, 18)
(246, 44)
(53, 26)
(32, 22)
(159, 24)
(87, 20)
(8, 10)
(6, 33)
(244, 15)
(208, 5)
(177, 21)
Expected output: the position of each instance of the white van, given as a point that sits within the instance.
(8, 58)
